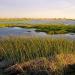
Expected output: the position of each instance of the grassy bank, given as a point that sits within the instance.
(18, 50)
(53, 28)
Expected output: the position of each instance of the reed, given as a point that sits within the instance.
(51, 52)
(21, 49)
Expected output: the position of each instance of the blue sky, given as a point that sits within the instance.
(38, 8)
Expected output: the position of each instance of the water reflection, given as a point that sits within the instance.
(31, 32)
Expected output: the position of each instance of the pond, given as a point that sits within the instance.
(12, 31)
(8, 31)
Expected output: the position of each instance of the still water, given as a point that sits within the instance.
(12, 31)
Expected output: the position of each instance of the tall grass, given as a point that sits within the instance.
(21, 49)
(24, 51)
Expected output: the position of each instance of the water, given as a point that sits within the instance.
(19, 31)
(12, 31)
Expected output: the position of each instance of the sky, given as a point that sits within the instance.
(37, 8)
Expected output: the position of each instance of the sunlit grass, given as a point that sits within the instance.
(23, 49)
(32, 51)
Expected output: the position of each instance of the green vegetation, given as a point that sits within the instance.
(55, 29)
(20, 49)
(24, 49)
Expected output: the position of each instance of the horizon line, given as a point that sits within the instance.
(34, 18)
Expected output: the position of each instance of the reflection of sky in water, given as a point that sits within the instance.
(19, 31)
(31, 32)
(68, 36)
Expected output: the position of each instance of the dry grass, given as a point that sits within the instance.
(52, 66)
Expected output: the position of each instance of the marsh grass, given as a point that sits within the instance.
(54, 28)
(21, 49)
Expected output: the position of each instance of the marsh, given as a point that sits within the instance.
(18, 31)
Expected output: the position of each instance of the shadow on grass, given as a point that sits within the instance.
(69, 70)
